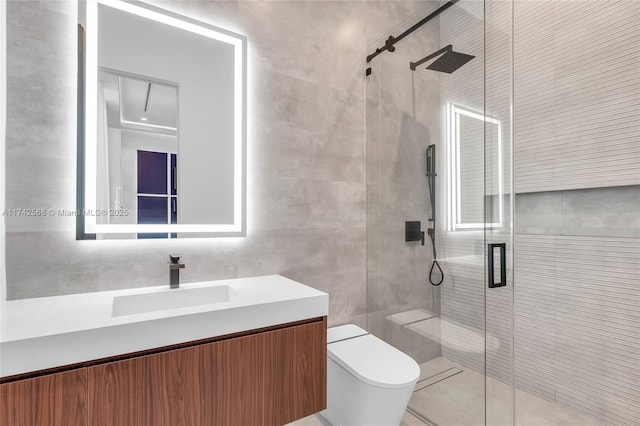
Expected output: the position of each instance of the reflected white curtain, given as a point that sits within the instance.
(102, 169)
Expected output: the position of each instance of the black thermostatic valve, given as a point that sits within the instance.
(412, 231)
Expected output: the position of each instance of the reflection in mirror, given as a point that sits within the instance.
(165, 119)
(137, 151)
(474, 170)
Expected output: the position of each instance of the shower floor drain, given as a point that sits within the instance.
(432, 380)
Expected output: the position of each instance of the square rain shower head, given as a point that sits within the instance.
(450, 61)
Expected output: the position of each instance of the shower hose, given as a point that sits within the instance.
(435, 263)
(431, 179)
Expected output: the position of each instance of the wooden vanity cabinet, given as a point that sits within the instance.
(269, 378)
(52, 400)
(266, 378)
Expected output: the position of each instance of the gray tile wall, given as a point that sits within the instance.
(402, 120)
(461, 254)
(595, 212)
(3, 87)
(306, 154)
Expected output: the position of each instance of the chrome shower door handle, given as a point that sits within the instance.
(502, 247)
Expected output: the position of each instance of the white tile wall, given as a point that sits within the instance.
(577, 322)
(577, 97)
(577, 82)
(577, 259)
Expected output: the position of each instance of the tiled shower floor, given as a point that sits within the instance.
(458, 399)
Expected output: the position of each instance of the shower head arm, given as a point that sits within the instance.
(414, 65)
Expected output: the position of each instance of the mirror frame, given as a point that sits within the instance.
(86, 226)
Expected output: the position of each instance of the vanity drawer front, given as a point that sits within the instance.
(52, 400)
(212, 384)
(295, 372)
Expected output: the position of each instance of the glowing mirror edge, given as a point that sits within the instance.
(91, 88)
(453, 113)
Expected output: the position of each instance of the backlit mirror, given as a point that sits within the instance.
(163, 103)
(475, 186)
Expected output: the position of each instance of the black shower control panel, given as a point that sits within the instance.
(413, 231)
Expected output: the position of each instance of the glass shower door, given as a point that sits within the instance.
(499, 213)
(460, 330)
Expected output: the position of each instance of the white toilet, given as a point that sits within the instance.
(369, 382)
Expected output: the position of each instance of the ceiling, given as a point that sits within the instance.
(140, 103)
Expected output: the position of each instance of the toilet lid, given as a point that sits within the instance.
(374, 361)
(343, 332)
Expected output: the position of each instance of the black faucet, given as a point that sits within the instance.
(174, 270)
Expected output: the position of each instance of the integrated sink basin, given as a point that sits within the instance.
(169, 299)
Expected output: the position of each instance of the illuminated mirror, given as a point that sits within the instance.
(474, 170)
(162, 153)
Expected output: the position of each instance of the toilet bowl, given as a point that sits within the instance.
(369, 382)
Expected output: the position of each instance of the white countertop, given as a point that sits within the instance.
(49, 332)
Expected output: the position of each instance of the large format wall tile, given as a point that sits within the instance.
(306, 145)
(306, 153)
(603, 212)
(402, 114)
(611, 212)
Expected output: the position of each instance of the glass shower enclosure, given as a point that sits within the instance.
(439, 123)
(506, 133)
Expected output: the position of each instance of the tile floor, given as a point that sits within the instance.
(459, 400)
(451, 395)
(316, 420)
